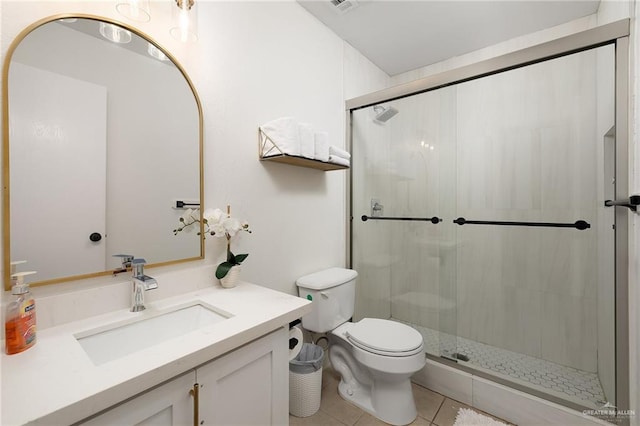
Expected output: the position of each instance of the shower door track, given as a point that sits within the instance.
(617, 34)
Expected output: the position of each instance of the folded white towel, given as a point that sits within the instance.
(307, 144)
(339, 152)
(284, 133)
(321, 140)
(339, 160)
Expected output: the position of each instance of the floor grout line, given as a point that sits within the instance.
(332, 414)
(432, 421)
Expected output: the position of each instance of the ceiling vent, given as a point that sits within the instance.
(343, 6)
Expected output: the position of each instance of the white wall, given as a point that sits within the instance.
(256, 61)
(261, 61)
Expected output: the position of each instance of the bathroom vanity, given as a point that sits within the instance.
(218, 356)
(246, 386)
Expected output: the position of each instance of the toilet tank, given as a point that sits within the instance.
(332, 292)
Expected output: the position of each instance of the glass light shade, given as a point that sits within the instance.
(115, 33)
(136, 10)
(185, 18)
(154, 52)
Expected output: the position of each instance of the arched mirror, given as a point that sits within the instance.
(102, 150)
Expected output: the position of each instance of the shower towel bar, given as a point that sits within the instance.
(433, 220)
(580, 224)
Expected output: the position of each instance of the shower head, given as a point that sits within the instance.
(384, 114)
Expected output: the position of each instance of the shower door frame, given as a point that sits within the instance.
(616, 34)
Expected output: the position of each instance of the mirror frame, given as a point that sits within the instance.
(6, 210)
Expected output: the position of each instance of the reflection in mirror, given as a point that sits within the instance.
(104, 137)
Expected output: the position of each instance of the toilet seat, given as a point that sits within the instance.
(384, 337)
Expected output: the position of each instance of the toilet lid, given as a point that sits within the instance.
(385, 337)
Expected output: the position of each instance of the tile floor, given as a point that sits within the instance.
(433, 408)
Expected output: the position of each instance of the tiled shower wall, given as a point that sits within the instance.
(480, 151)
(530, 290)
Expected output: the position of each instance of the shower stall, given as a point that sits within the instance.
(478, 216)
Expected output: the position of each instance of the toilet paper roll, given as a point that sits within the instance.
(295, 341)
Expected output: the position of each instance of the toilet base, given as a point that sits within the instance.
(392, 403)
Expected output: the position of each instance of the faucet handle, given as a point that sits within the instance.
(137, 266)
(125, 260)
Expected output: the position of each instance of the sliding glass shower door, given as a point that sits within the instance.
(404, 174)
(479, 219)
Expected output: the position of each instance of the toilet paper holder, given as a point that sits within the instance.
(293, 342)
(295, 338)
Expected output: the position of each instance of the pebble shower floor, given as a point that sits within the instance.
(568, 383)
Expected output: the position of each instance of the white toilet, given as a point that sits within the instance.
(375, 357)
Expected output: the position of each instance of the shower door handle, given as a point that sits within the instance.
(631, 203)
(435, 220)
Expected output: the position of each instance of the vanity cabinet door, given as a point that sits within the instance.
(249, 386)
(168, 404)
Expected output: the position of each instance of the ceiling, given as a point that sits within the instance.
(402, 35)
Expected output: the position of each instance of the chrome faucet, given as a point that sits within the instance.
(141, 283)
(125, 260)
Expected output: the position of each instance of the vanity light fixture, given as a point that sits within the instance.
(154, 52)
(115, 33)
(186, 17)
(136, 10)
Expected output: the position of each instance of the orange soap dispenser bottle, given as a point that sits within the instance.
(20, 322)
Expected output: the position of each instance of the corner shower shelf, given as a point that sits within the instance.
(269, 151)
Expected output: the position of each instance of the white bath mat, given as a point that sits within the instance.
(467, 417)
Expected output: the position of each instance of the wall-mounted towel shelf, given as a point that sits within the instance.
(295, 160)
(268, 150)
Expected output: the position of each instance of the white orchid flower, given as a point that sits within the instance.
(231, 226)
(190, 215)
(213, 216)
(216, 223)
(217, 230)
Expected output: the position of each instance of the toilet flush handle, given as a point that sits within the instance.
(324, 294)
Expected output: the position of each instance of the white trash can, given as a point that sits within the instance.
(305, 381)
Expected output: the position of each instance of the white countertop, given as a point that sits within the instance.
(55, 381)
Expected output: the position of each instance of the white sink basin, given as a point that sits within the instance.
(111, 342)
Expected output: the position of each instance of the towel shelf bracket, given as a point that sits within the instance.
(268, 150)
